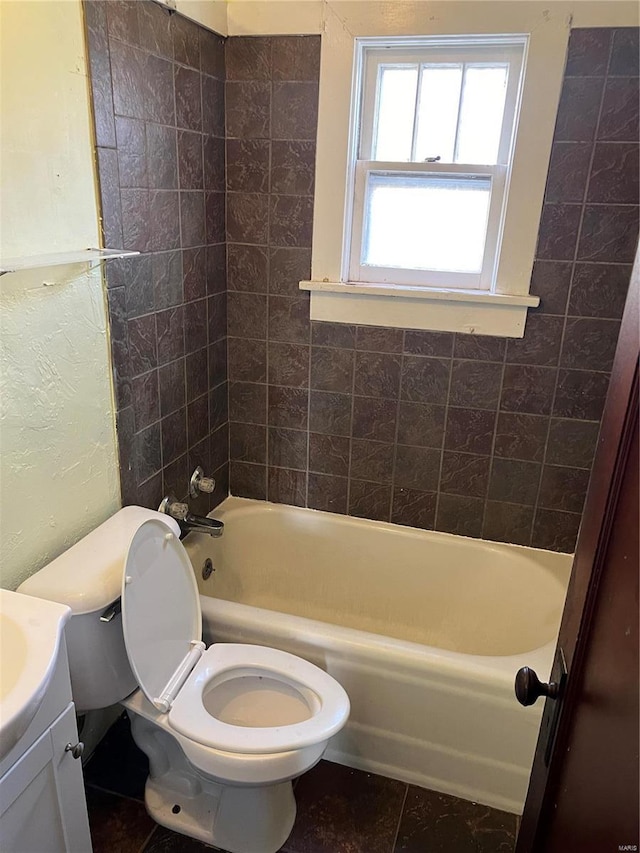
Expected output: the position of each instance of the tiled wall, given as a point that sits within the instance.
(472, 435)
(158, 95)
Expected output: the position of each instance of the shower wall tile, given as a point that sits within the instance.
(472, 435)
(158, 81)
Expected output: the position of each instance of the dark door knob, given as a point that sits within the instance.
(529, 687)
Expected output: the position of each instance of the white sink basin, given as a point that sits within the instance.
(30, 635)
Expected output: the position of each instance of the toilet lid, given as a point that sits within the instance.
(161, 616)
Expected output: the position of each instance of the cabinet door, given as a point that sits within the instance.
(42, 802)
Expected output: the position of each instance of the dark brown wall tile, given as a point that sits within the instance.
(417, 468)
(421, 424)
(247, 217)
(558, 231)
(248, 165)
(475, 384)
(504, 522)
(555, 531)
(521, 436)
(541, 343)
(289, 318)
(162, 164)
(599, 290)
(288, 448)
(196, 366)
(377, 375)
(288, 487)
(247, 360)
(588, 52)
(190, 169)
(218, 368)
(377, 339)
(248, 481)
(188, 98)
(527, 389)
(609, 233)
(288, 364)
(374, 418)
(332, 369)
(294, 110)
(470, 430)
(460, 515)
(330, 413)
(371, 460)
(248, 443)
(550, 281)
(293, 167)
(213, 106)
(166, 272)
(291, 220)
(369, 500)
(288, 407)
(578, 110)
(568, 171)
(170, 334)
(142, 344)
(174, 435)
(563, 488)
(248, 58)
(414, 508)
(580, 394)
(514, 481)
(287, 267)
(572, 442)
(185, 39)
(248, 107)
(327, 493)
(589, 343)
(145, 399)
(195, 325)
(296, 58)
(214, 156)
(247, 315)
(625, 58)
(248, 402)
(333, 335)
(464, 474)
(614, 173)
(479, 347)
(172, 383)
(619, 118)
(329, 454)
(425, 380)
(155, 28)
(247, 268)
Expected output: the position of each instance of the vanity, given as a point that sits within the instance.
(42, 800)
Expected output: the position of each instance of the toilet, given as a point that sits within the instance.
(226, 728)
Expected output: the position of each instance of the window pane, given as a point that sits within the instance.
(429, 222)
(393, 128)
(438, 112)
(483, 95)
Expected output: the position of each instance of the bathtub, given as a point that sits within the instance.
(424, 630)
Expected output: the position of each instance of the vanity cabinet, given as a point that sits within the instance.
(42, 802)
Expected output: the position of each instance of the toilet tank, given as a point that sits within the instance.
(88, 578)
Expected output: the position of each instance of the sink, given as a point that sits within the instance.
(30, 640)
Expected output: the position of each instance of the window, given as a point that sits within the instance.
(431, 146)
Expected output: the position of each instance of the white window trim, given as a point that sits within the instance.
(548, 31)
(369, 55)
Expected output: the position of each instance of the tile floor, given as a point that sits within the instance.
(339, 811)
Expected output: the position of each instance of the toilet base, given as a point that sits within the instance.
(256, 819)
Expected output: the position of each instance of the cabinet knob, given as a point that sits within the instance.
(76, 749)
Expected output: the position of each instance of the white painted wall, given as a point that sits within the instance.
(58, 474)
(210, 13)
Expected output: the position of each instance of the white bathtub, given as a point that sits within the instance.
(424, 630)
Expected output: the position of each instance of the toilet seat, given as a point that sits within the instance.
(327, 701)
(162, 626)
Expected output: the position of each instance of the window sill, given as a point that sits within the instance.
(406, 307)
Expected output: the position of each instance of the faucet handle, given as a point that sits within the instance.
(200, 483)
(170, 505)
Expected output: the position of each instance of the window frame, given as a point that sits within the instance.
(370, 55)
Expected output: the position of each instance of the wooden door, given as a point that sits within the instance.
(583, 792)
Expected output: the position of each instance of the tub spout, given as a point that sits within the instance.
(188, 521)
(200, 524)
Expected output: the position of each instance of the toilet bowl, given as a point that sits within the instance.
(227, 728)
